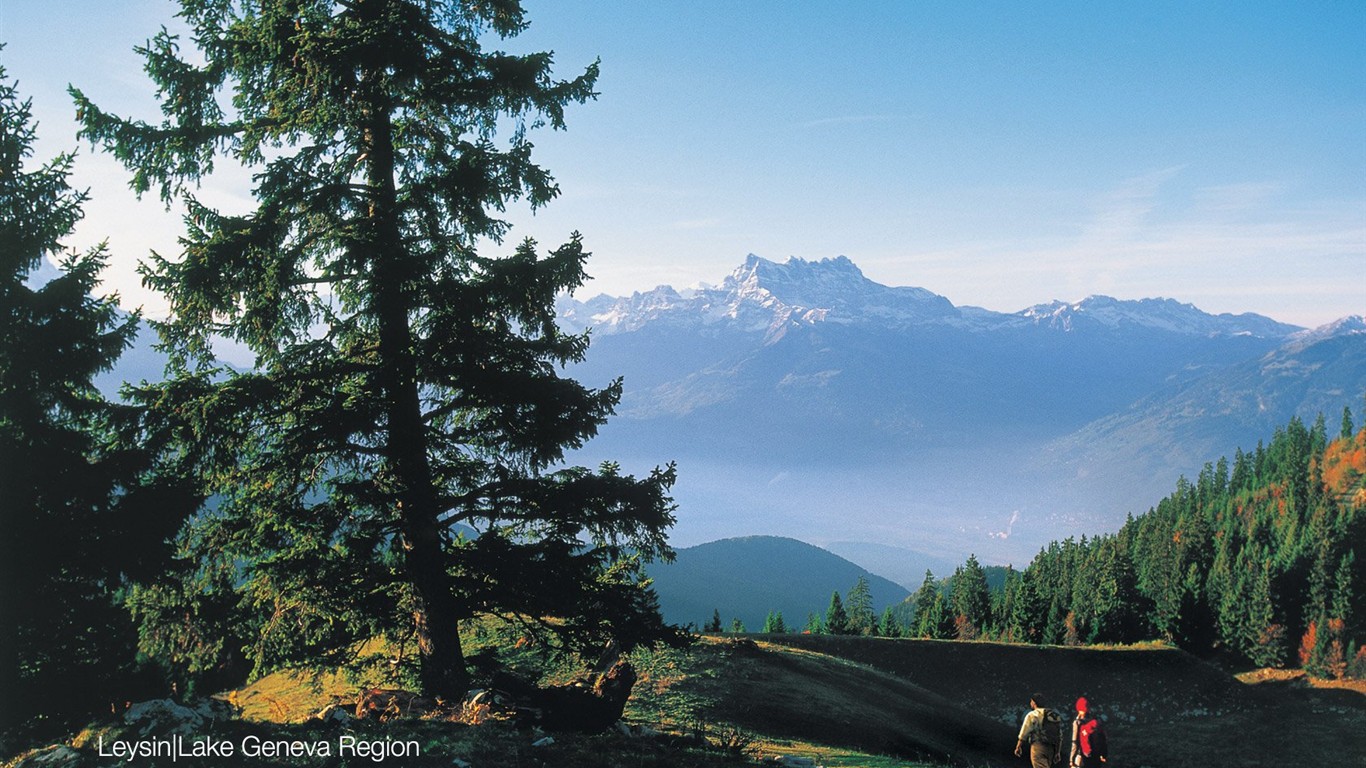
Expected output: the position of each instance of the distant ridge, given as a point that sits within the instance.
(1163, 314)
(1314, 371)
(750, 576)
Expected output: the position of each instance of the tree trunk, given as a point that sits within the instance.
(438, 612)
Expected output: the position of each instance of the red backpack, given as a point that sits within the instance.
(1091, 734)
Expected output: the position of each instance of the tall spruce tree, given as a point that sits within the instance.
(1027, 615)
(971, 599)
(922, 624)
(71, 530)
(858, 604)
(406, 384)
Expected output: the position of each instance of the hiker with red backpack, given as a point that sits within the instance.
(1042, 731)
(1089, 747)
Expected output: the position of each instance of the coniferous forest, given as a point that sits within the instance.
(1256, 559)
(1255, 562)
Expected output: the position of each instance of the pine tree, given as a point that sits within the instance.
(406, 384)
(836, 620)
(1056, 625)
(935, 621)
(737, 626)
(1340, 604)
(859, 605)
(971, 599)
(74, 528)
(1318, 436)
(813, 625)
(1263, 638)
(715, 624)
(887, 625)
(1347, 430)
(1254, 558)
(1026, 619)
(1195, 627)
(923, 600)
(1112, 605)
(774, 624)
(1242, 472)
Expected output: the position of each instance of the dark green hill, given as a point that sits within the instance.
(748, 577)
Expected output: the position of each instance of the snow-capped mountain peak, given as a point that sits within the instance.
(764, 295)
(768, 297)
(1352, 325)
(1157, 314)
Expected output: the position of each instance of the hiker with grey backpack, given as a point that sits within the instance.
(1042, 731)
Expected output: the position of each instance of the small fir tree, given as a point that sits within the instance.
(774, 624)
(888, 625)
(714, 625)
(836, 619)
(813, 625)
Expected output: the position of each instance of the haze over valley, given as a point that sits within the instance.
(803, 399)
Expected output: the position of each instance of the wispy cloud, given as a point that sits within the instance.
(1124, 212)
(1234, 247)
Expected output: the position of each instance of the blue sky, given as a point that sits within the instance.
(1001, 154)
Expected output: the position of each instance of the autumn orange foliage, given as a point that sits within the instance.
(1336, 659)
(1308, 641)
(1344, 466)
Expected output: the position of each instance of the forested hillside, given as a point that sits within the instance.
(1257, 558)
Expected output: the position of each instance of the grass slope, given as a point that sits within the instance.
(783, 697)
(1163, 707)
(849, 702)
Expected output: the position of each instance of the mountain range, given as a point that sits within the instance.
(804, 399)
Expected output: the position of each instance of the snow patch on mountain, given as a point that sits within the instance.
(771, 298)
(1347, 326)
(767, 297)
(1158, 314)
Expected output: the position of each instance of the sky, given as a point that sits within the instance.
(1002, 154)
